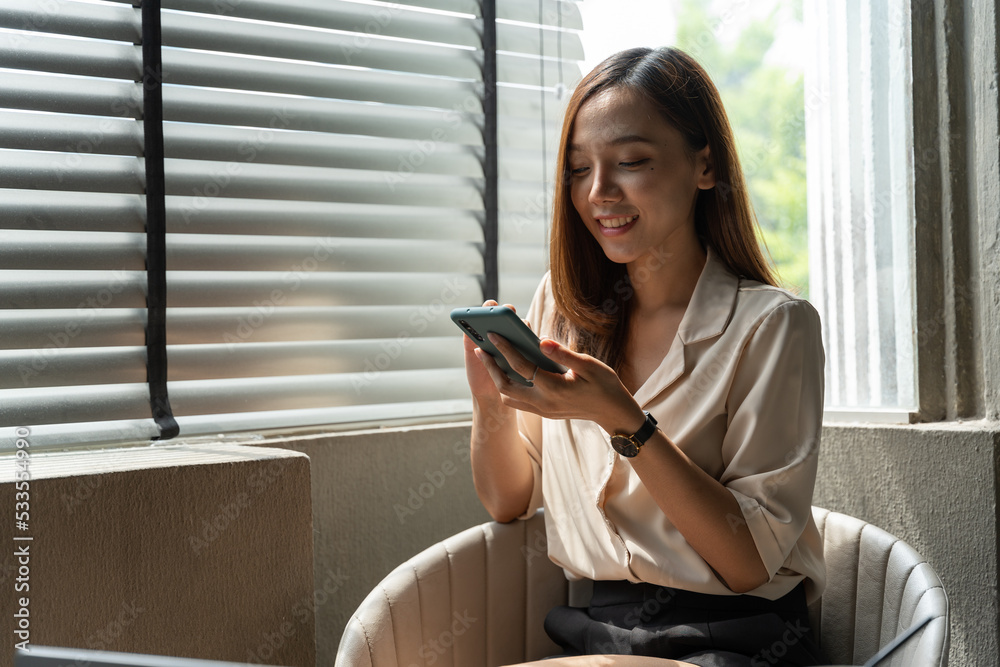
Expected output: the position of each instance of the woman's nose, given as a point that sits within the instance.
(603, 188)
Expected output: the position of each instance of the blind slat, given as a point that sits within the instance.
(72, 250)
(70, 133)
(198, 397)
(75, 171)
(564, 14)
(192, 252)
(298, 286)
(73, 211)
(264, 322)
(67, 55)
(55, 367)
(201, 397)
(248, 360)
(106, 402)
(526, 69)
(527, 39)
(70, 171)
(336, 47)
(70, 94)
(226, 107)
(66, 17)
(237, 144)
(213, 70)
(213, 179)
(392, 21)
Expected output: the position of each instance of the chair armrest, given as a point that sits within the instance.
(477, 598)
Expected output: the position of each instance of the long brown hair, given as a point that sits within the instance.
(592, 293)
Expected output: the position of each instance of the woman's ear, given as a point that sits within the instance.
(705, 167)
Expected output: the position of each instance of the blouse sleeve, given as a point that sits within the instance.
(529, 425)
(775, 408)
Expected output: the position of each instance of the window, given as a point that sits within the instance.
(861, 192)
(850, 110)
(326, 205)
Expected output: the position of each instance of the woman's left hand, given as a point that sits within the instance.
(589, 389)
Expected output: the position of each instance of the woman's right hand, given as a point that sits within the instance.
(482, 385)
(501, 467)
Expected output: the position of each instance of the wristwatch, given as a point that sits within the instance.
(628, 445)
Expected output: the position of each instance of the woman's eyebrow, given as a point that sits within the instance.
(619, 141)
(631, 139)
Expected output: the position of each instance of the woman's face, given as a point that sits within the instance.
(633, 180)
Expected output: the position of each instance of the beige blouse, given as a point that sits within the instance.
(741, 393)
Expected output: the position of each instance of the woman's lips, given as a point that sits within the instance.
(616, 226)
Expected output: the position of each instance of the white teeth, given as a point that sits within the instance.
(611, 223)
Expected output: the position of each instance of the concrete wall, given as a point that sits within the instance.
(934, 486)
(197, 551)
(379, 497)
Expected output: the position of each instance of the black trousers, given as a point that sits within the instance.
(708, 630)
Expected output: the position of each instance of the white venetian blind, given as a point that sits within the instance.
(72, 241)
(861, 173)
(324, 207)
(536, 75)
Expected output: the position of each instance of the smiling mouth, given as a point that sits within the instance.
(613, 223)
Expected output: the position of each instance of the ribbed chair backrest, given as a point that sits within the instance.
(479, 598)
(877, 587)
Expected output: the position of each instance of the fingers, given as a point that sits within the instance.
(497, 374)
(492, 302)
(514, 358)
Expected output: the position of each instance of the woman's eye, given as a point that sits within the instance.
(576, 171)
(634, 163)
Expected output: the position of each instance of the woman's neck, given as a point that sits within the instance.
(666, 276)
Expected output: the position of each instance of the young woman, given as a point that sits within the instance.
(676, 457)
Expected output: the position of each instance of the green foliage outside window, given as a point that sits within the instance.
(766, 108)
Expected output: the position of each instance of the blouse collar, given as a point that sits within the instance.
(707, 314)
(712, 302)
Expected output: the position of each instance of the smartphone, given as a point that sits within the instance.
(482, 320)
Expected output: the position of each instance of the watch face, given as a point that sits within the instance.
(624, 445)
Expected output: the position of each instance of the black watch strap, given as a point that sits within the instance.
(647, 429)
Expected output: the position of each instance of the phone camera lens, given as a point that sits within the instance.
(473, 332)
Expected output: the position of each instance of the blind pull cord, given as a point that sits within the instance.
(491, 234)
(156, 226)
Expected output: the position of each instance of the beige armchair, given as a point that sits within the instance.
(479, 598)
